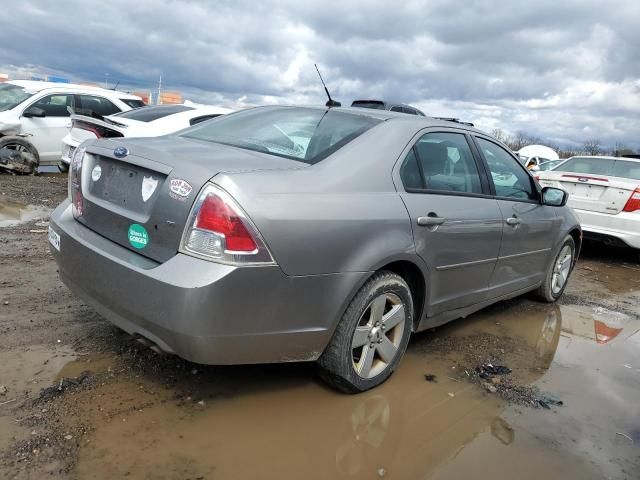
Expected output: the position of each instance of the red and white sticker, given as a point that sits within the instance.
(180, 189)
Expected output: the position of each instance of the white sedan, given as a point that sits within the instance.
(152, 121)
(605, 194)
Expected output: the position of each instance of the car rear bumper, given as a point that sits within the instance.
(624, 226)
(202, 311)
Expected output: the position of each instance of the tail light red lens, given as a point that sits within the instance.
(75, 180)
(219, 230)
(218, 217)
(633, 203)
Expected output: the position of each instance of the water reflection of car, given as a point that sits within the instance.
(299, 234)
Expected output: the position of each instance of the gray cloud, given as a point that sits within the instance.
(566, 71)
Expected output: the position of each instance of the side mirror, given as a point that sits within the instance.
(554, 197)
(34, 112)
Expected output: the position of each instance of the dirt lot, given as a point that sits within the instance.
(81, 399)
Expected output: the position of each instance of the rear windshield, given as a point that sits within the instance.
(304, 134)
(149, 114)
(12, 95)
(602, 166)
(133, 103)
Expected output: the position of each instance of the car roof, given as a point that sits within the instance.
(39, 86)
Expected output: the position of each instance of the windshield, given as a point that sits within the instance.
(12, 95)
(304, 134)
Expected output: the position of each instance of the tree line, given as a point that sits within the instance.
(592, 146)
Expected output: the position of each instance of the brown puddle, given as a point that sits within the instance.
(279, 422)
(12, 213)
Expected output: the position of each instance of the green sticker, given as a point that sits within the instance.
(138, 236)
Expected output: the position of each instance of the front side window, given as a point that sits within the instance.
(509, 178)
(12, 96)
(93, 106)
(304, 134)
(56, 105)
(441, 162)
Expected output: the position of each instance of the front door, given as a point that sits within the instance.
(528, 226)
(46, 133)
(457, 225)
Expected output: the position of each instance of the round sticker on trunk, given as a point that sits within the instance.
(138, 236)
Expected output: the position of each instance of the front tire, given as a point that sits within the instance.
(558, 272)
(371, 337)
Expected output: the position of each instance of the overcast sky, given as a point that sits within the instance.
(563, 70)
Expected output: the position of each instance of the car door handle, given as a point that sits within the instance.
(513, 221)
(430, 220)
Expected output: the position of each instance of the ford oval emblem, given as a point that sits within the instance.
(583, 179)
(121, 152)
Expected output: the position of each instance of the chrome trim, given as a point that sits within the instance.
(533, 252)
(465, 264)
(480, 262)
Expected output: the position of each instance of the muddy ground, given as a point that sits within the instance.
(81, 399)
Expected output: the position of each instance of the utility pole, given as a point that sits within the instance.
(106, 80)
(159, 90)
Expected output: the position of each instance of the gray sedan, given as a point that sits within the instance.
(281, 234)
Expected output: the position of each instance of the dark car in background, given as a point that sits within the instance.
(382, 105)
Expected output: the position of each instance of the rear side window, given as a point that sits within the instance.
(510, 179)
(94, 106)
(590, 165)
(149, 114)
(304, 134)
(55, 105)
(441, 162)
(397, 108)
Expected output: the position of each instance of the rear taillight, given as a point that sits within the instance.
(219, 230)
(633, 203)
(75, 179)
(98, 130)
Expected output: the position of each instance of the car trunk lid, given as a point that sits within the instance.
(142, 200)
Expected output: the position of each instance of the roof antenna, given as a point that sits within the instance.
(331, 102)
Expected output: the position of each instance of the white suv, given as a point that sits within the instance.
(35, 116)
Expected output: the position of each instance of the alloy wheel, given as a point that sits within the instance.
(561, 269)
(378, 335)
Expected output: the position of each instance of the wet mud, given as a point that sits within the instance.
(81, 399)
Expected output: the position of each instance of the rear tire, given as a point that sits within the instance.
(558, 273)
(371, 337)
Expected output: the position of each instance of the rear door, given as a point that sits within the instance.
(457, 225)
(595, 184)
(528, 225)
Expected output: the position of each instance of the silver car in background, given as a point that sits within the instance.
(281, 234)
